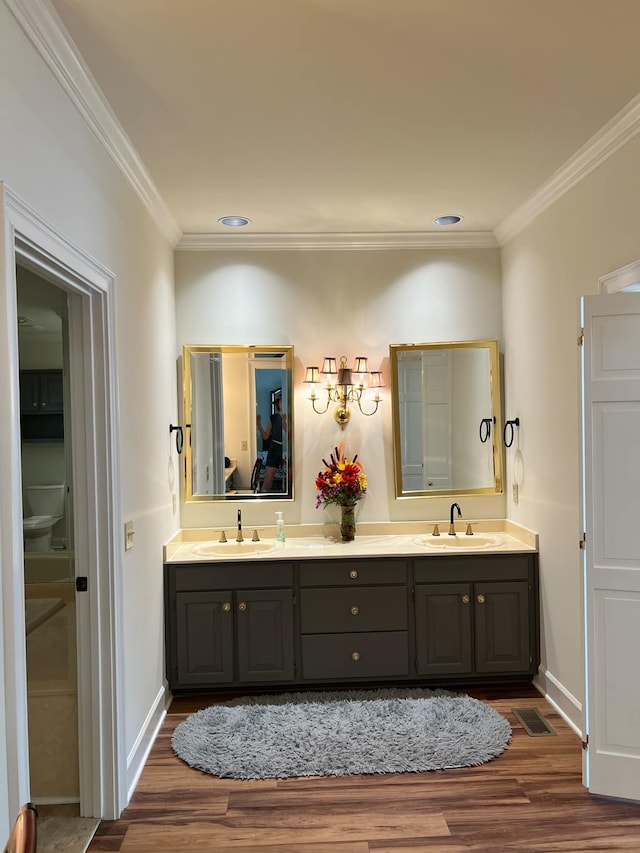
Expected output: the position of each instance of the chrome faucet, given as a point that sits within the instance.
(239, 537)
(452, 529)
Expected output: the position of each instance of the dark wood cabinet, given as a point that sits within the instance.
(432, 620)
(443, 629)
(354, 619)
(502, 611)
(41, 391)
(41, 405)
(264, 634)
(204, 638)
(216, 634)
(483, 620)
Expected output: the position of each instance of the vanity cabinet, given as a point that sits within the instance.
(476, 615)
(41, 405)
(41, 391)
(433, 620)
(354, 619)
(227, 625)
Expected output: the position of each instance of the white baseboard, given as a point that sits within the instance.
(565, 703)
(148, 733)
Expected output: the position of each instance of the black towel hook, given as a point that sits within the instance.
(508, 430)
(485, 429)
(179, 437)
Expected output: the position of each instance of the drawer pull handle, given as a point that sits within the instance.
(353, 574)
(481, 599)
(354, 611)
(466, 599)
(355, 656)
(226, 607)
(242, 606)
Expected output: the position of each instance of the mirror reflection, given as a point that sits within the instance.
(237, 409)
(446, 418)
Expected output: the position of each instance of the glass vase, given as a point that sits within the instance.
(348, 522)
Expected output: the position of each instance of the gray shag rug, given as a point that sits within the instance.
(340, 733)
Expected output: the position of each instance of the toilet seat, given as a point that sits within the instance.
(39, 522)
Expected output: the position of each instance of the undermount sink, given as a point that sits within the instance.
(444, 542)
(233, 549)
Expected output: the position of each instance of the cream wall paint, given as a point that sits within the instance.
(335, 303)
(50, 159)
(589, 232)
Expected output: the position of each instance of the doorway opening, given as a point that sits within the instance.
(90, 471)
(47, 510)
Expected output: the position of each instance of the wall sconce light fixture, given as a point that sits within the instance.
(344, 385)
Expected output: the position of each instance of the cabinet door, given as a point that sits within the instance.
(502, 626)
(29, 392)
(443, 628)
(51, 391)
(264, 620)
(204, 637)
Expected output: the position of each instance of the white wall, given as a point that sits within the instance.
(335, 303)
(591, 231)
(52, 161)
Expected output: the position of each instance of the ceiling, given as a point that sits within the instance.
(361, 117)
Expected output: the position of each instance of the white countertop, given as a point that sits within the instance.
(386, 540)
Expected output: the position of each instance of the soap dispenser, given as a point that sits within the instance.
(280, 527)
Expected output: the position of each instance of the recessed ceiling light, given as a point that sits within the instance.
(234, 221)
(449, 219)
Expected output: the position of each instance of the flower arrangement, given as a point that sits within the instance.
(342, 481)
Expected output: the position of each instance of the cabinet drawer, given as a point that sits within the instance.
(357, 609)
(352, 572)
(374, 655)
(206, 576)
(492, 567)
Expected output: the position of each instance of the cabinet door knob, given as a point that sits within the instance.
(481, 599)
(35, 405)
(353, 574)
(226, 607)
(355, 611)
(44, 405)
(242, 606)
(355, 656)
(466, 599)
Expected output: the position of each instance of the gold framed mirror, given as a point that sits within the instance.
(238, 417)
(447, 422)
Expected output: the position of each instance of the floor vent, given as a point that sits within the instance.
(533, 722)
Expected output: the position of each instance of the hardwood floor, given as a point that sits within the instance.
(530, 800)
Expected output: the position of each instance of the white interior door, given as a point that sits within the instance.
(410, 404)
(437, 378)
(611, 422)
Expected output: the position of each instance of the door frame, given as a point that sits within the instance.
(29, 240)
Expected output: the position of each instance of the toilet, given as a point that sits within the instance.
(47, 505)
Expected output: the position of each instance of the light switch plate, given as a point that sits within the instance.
(128, 535)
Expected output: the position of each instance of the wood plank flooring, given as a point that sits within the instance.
(530, 800)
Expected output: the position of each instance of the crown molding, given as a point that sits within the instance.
(618, 280)
(609, 139)
(353, 240)
(46, 32)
